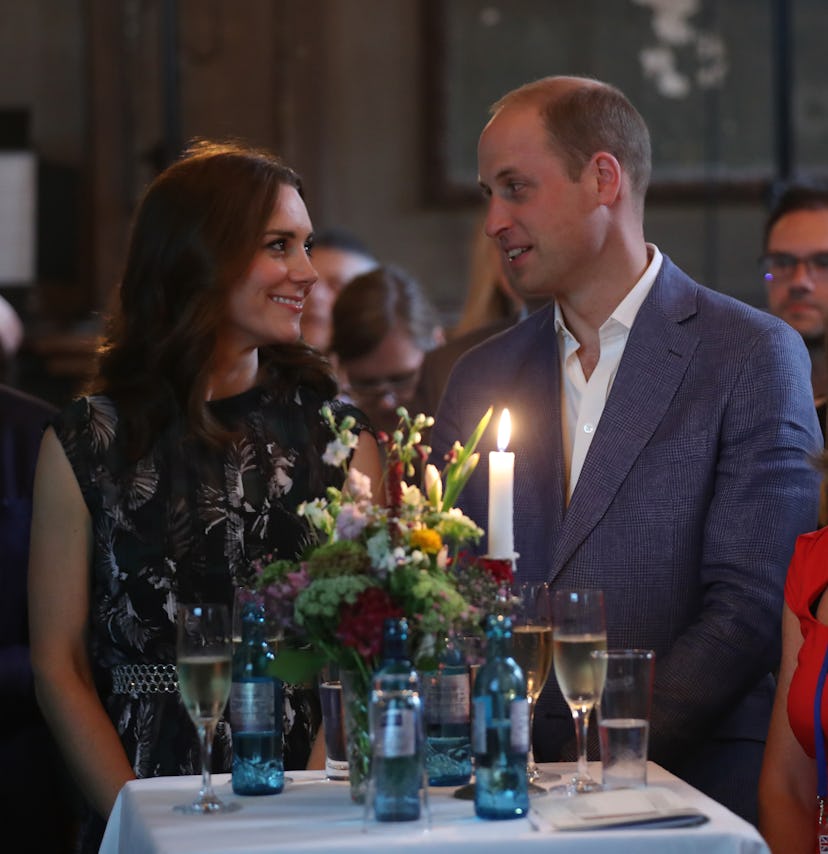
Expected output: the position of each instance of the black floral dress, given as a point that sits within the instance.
(184, 524)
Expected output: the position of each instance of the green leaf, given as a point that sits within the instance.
(297, 666)
(477, 433)
(458, 473)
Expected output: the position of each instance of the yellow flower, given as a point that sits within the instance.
(426, 540)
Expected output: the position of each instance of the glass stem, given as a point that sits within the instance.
(530, 755)
(205, 734)
(581, 718)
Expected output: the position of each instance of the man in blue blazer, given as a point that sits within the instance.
(663, 433)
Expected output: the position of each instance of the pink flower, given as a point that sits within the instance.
(351, 522)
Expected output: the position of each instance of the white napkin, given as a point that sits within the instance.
(654, 806)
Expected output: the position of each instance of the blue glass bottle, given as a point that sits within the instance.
(396, 729)
(447, 710)
(500, 736)
(256, 704)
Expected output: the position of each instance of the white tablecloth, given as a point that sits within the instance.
(315, 816)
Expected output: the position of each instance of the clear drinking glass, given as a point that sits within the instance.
(204, 650)
(532, 650)
(474, 653)
(579, 630)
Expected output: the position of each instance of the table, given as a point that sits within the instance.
(315, 816)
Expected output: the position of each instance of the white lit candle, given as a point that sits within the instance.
(501, 485)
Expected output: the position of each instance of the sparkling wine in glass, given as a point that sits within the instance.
(579, 630)
(532, 649)
(204, 651)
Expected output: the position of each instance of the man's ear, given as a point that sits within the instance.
(607, 172)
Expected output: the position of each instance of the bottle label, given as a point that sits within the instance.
(519, 719)
(447, 699)
(253, 705)
(518, 724)
(480, 721)
(397, 736)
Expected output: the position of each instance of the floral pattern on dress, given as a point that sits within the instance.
(186, 522)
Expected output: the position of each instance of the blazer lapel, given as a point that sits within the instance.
(533, 395)
(655, 359)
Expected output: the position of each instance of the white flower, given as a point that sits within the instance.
(433, 485)
(378, 547)
(317, 513)
(338, 450)
(411, 497)
(398, 557)
(416, 558)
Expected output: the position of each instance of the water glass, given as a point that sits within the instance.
(624, 715)
(333, 718)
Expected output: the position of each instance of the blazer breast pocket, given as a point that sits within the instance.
(672, 469)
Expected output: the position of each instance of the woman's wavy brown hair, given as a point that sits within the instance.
(194, 235)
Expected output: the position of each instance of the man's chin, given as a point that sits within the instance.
(813, 335)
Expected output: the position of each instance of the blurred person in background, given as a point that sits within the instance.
(794, 265)
(11, 329)
(11, 339)
(338, 257)
(31, 770)
(491, 306)
(490, 300)
(383, 325)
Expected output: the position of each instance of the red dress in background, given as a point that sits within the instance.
(807, 579)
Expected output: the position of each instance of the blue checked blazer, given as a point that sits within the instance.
(698, 480)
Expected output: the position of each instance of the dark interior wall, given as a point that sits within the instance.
(337, 86)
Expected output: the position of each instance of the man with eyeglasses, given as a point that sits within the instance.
(795, 269)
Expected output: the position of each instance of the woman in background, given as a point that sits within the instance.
(383, 325)
(788, 785)
(183, 464)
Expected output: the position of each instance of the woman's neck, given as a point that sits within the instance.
(229, 377)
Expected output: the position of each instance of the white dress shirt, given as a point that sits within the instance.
(583, 400)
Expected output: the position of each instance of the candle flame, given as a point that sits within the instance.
(504, 430)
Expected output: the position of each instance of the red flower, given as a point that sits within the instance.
(500, 570)
(361, 624)
(393, 484)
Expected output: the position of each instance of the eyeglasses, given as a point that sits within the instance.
(780, 267)
(374, 390)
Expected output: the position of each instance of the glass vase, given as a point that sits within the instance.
(355, 693)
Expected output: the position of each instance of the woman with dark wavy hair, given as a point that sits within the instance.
(182, 464)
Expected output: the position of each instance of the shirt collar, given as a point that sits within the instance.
(625, 312)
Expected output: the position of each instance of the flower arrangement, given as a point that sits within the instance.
(407, 556)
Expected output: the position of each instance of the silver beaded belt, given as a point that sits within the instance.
(144, 679)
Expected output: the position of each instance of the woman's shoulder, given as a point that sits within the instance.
(808, 571)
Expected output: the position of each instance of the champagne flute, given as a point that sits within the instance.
(532, 650)
(580, 629)
(204, 649)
